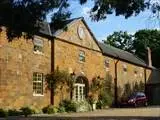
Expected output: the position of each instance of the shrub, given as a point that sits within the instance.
(50, 109)
(14, 112)
(37, 110)
(27, 111)
(3, 113)
(83, 106)
(61, 109)
(69, 105)
(99, 104)
(44, 110)
(91, 99)
(104, 100)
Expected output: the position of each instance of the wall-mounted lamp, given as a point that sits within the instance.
(73, 75)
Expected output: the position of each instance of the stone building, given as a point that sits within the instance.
(24, 64)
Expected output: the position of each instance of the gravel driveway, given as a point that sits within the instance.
(148, 113)
(141, 112)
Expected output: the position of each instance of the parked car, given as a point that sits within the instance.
(136, 99)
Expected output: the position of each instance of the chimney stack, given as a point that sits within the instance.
(149, 57)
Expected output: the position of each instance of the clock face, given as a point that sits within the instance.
(81, 32)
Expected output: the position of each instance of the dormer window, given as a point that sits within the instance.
(38, 44)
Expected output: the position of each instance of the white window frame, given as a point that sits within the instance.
(39, 79)
(79, 96)
(38, 42)
(82, 55)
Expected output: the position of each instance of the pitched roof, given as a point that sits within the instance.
(106, 49)
(121, 54)
(67, 23)
(50, 31)
(45, 28)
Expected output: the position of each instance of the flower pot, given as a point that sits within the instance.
(94, 106)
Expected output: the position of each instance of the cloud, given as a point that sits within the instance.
(85, 11)
(132, 32)
(155, 2)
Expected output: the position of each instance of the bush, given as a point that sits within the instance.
(69, 105)
(44, 110)
(99, 104)
(83, 106)
(3, 113)
(50, 109)
(91, 99)
(27, 111)
(104, 100)
(14, 112)
(61, 109)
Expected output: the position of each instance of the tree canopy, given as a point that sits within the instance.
(138, 43)
(148, 38)
(25, 15)
(121, 40)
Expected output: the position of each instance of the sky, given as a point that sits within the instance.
(112, 23)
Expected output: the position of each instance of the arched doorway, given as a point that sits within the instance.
(80, 91)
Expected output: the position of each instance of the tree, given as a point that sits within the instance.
(151, 39)
(96, 87)
(126, 8)
(26, 15)
(127, 91)
(121, 40)
(57, 78)
(138, 43)
(106, 95)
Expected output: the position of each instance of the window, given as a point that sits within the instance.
(106, 62)
(38, 44)
(79, 92)
(82, 56)
(135, 72)
(37, 83)
(125, 68)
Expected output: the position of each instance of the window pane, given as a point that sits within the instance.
(38, 44)
(79, 92)
(37, 83)
(82, 56)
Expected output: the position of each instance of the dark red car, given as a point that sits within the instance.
(136, 99)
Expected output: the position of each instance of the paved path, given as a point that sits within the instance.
(149, 113)
(141, 112)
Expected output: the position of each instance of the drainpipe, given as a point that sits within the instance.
(115, 85)
(145, 79)
(52, 70)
